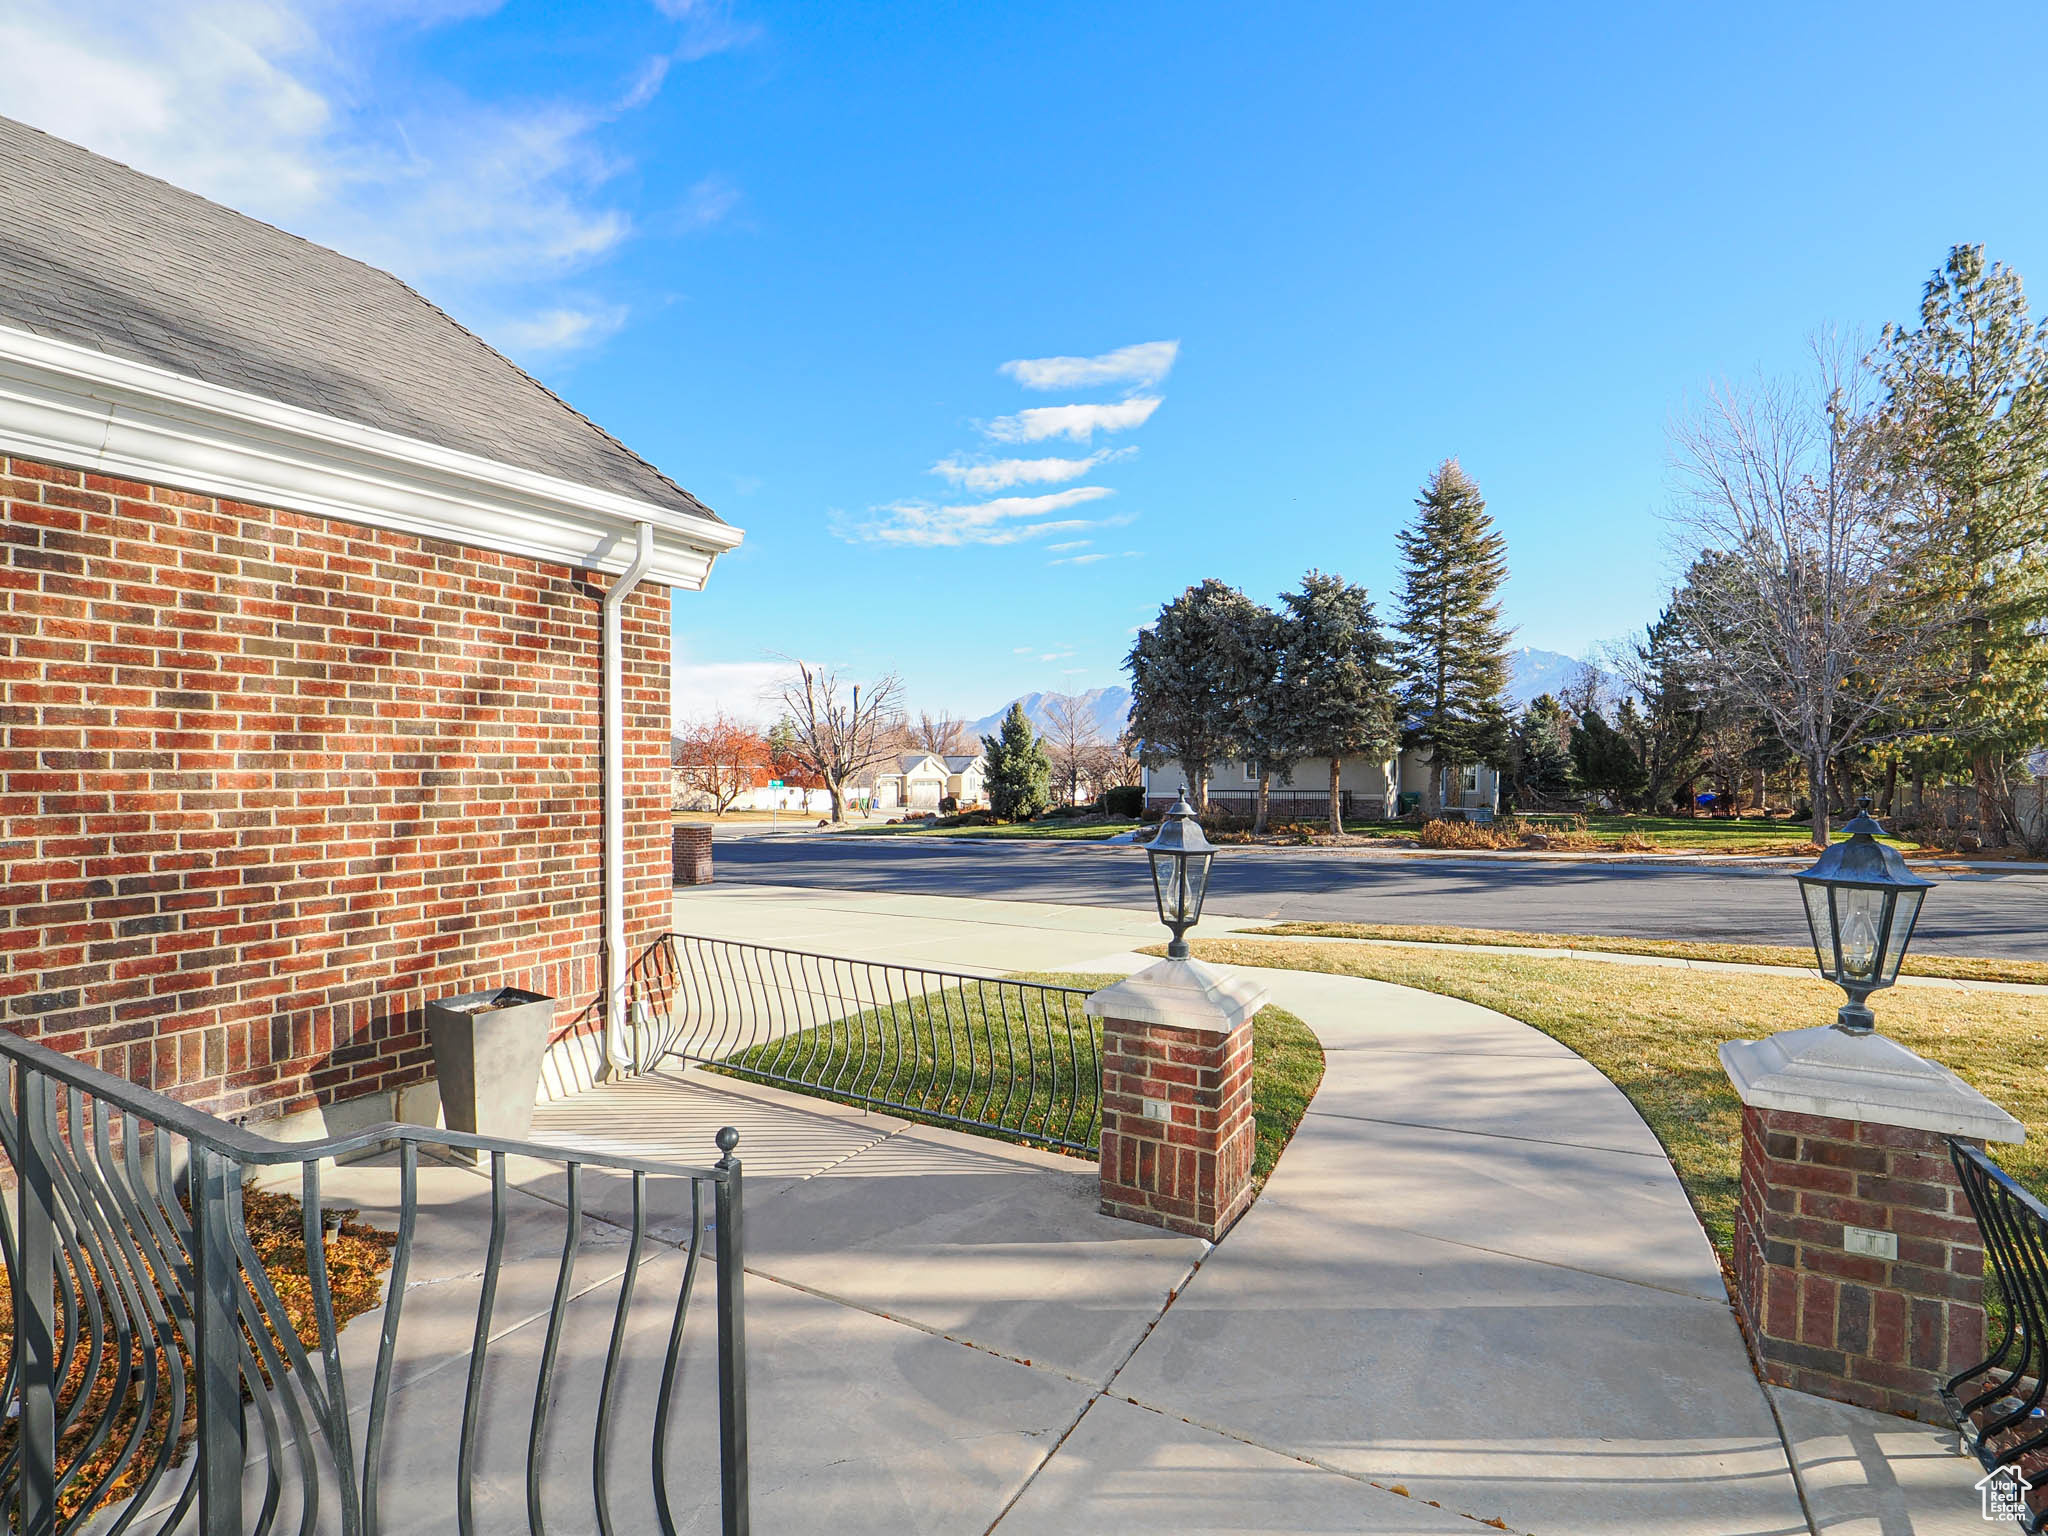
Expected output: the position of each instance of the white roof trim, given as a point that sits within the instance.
(82, 408)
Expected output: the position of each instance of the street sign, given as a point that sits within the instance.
(775, 783)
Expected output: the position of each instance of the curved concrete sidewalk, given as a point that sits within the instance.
(1473, 1276)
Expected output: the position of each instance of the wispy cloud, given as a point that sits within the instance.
(1078, 422)
(1005, 520)
(561, 330)
(985, 475)
(1148, 362)
(271, 106)
(710, 201)
(1070, 544)
(1129, 554)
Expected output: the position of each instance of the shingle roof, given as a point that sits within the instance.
(102, 256)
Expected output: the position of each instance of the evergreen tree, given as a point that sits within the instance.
(1453, 648)
(1604, 762)
(1543, 753)
(1967, 407)
(1018, 778)
(1191, 675)
(1266, 720)
(1336, 686)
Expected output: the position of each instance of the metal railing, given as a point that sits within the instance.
(1996, 1403)
(1018, 1058)
(160, 1382)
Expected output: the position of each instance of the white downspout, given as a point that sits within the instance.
(618, 1037)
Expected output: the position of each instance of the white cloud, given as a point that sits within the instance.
(1129, 554)
(271, 107)
(986, 475)
(1148, 362)
(708, 203)
(1078, 422)
(1070, 544)
(560, 330)
(1005, 520)
(700, 689)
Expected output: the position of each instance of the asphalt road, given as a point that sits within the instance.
(1998, 914)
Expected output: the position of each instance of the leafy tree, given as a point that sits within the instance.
(1604, 762)
(1966, 410)
(1542, 752)
(1453, 649)
(1018, 777)
(1670, 722)
(1336, 695)
(1191, 674)
(718, 759)
(1265, 714)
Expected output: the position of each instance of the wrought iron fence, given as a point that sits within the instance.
(1997, 1403)
(1020, 1058)
(159, 1381)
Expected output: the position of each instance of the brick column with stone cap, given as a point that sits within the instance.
(692, 854)
(1858, 1266)
(1177, 1132)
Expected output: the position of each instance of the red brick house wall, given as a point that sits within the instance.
(268, 782)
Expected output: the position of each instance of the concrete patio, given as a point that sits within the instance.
(1472, 1292)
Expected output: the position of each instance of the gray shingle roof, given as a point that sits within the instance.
(102, 256)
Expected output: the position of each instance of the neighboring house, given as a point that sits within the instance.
(689, 795)
(310, 604)
(917, 782)
(1367, 789)
(967, 778)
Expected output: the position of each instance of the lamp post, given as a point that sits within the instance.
(1861, 904)
(1180, 856)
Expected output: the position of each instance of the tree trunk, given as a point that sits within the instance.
(1990, 810)
(838, 794)
(1817, 792)
(1265, 800)
(1891, 785)
(1919, 789)
(1202, 792)
(1336, 797)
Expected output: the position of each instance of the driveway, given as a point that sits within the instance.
(2003, 915)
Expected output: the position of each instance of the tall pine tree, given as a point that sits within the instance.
(1336, 685)
(1967, 409)
(1191, 673)
(1016, 774)
(1453, 650)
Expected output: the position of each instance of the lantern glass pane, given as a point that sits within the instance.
(1863, 916)
(1159, 880)
(1198, 883)
(1822, 926)
(1899, 932)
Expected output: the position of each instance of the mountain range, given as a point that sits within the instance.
(1530, 672)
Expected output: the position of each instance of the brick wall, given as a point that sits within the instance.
(268, 782)
(1880, 1332)
(1189, 1171)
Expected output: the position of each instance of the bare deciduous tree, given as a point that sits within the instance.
(1071, 739)
(942, 735)
(1794, 604)
(718, 758)
(838, 730)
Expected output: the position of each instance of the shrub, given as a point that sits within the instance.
(1467, 834)
(949, 804)
(1124, 800)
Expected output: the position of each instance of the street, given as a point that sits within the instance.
(1996, 914)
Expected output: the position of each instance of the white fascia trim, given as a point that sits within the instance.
(79, 407)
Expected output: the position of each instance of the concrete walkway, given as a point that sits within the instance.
(1472, 1292)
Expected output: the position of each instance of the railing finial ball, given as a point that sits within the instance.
(728, 1137)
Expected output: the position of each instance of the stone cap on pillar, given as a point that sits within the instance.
(1181, 994)
(1828, 1072)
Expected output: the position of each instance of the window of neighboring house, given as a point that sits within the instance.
(1468, 779)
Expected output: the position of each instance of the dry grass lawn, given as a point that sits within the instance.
(1654, 1033)
(1954, 967)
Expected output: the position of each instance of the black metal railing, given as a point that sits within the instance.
(160, 1382)
(1997, 1404)
(1017, 1058)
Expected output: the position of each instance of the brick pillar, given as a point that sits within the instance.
(1858, 1266)
(693, 855)
(1177, 1131)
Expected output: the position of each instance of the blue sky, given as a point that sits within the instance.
(785, 251)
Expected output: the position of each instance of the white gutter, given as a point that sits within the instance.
(618, 1027)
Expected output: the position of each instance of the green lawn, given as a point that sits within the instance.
(1655, 1032)
(1011, 1058)
(1069, 831)
(1955, 967)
